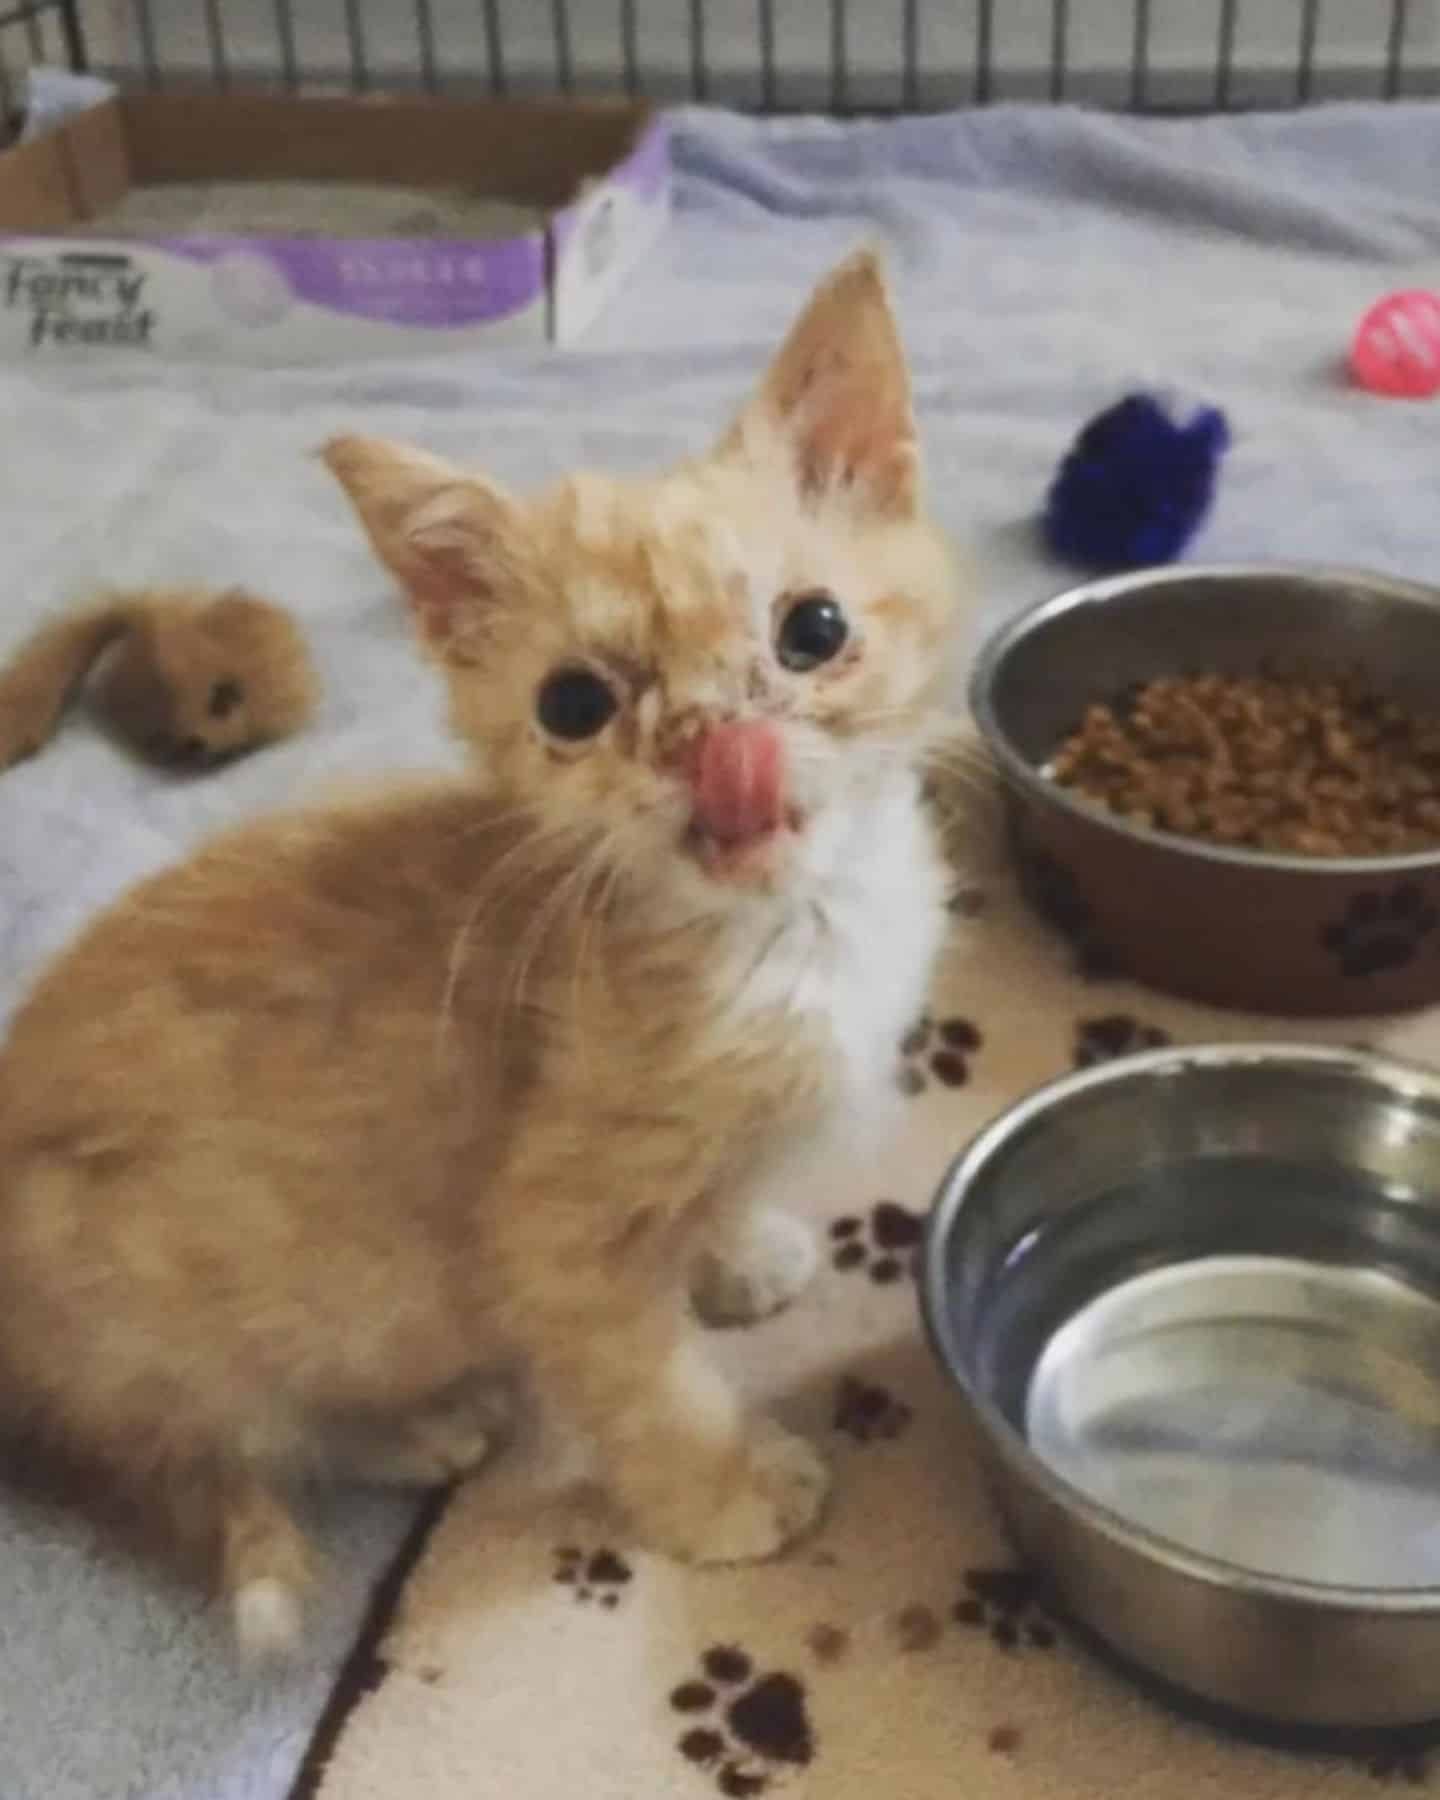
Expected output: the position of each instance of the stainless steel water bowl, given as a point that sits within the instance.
(1192, 1301)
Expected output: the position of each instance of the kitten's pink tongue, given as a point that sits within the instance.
(739, 781)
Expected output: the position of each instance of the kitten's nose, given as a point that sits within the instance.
(738, 776)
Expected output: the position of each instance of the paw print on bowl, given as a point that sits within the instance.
(599, 1578)
(1055, 893)
(867, 1412)
(883, 1243)
(1057, 897)
(1379, 931)
(939, 1050)
(1401, 1765)
(749, 1730)
(1112, 1035)
(1004, 1603)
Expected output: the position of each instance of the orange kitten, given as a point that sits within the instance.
(314, 1142)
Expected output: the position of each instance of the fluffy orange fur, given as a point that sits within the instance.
(186, 677)
(313, 1146)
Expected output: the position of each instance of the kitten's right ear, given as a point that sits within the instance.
(449, 538)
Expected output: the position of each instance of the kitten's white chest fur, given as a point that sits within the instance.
(856, 957)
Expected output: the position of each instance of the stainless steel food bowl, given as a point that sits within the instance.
(1192, 1301)
(1269, 933)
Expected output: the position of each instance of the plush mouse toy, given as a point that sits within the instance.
(186, 678)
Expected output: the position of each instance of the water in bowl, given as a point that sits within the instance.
(1268, 1393)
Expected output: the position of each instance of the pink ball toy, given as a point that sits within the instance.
(1397, 346)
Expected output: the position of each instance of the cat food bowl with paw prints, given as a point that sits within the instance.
(1191, 1303)
(1225, 782)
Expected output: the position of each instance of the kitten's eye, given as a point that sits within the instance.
(811, 633)
(575, 704)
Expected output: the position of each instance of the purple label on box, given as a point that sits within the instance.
(425, 283)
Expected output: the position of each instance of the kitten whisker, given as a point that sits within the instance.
(493, 821)
(491, 893)
(546, 917)
(603, 883)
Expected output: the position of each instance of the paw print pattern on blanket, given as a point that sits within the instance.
(600, 1578)
(867, 1412)
(749, 1730)
(1112, 1035)
(883, 1244)
(937, 1050)
(1004, 1603)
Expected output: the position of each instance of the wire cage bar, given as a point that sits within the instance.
(838, 56)
(35, 31)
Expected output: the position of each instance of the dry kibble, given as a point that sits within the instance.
(1311, 766)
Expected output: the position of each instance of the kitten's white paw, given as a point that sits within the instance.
(785, 1485)
(766, 1266)
(268, 1617)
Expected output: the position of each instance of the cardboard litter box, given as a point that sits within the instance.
(582, 187)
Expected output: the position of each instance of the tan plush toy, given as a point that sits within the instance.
(186, 677)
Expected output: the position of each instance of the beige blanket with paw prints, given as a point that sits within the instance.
(522, 1651)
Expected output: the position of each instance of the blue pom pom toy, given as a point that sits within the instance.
(1136, 485)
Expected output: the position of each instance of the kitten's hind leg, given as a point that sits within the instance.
(265, 1568)
(212, 1519)
(438, 1441)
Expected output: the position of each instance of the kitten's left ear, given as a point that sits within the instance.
(838, 393)
(451, 539)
